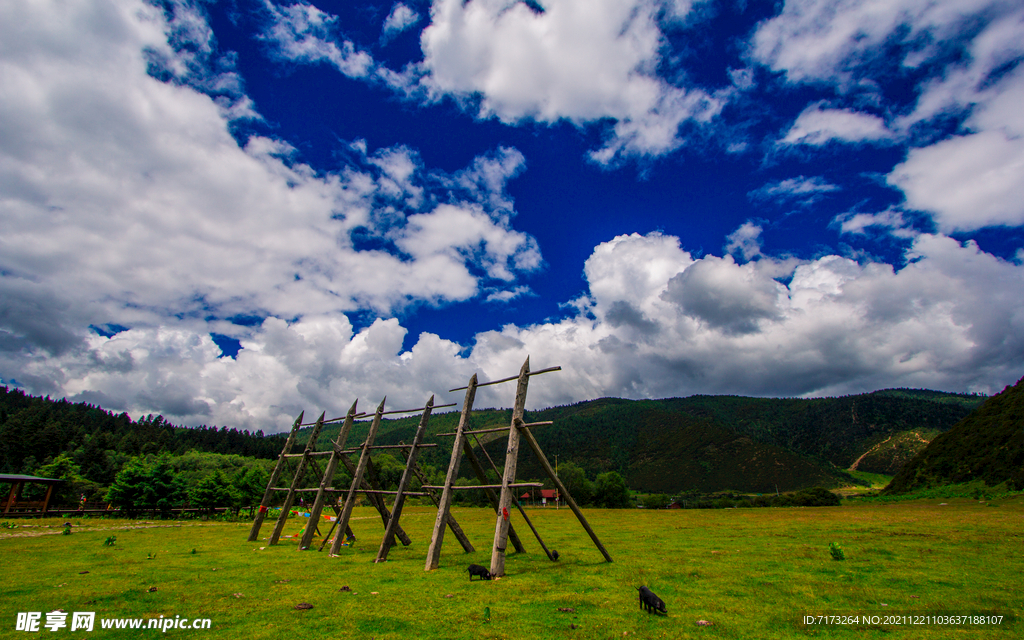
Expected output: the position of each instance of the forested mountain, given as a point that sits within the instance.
(987, 445)
(36, 430)
(712, 443)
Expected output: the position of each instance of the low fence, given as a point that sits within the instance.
(70, 512)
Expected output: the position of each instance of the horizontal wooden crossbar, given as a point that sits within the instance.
(517, 485)
(359, 416)
(333, 490)
(332, 420)
(440, 406)
(342, 418)
(526, 425)
(389, 446)
(532, 373)
(360, 448)
(395, 493)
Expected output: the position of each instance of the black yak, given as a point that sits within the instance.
(477, 570)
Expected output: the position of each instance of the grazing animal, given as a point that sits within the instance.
(650, 601)
(477, 570)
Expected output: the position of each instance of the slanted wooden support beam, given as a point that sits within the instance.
(532, 441)
(515, 501)
(403, 484)
(328, 478)
(460, 535)
(369, 487)
(311, 454)
(492, 497)
(261, 513)
(378, 502)
(296, 481)
(357, 479)
(445, 501)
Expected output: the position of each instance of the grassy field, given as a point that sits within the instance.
(750, 573)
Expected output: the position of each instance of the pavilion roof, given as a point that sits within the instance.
(5, 477)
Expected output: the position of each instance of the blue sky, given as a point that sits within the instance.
(229, 212)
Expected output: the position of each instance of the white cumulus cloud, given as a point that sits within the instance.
(577, 60)
(831, 40)
(303, 33)
(817, 126)
(402, 17)
(973, 179)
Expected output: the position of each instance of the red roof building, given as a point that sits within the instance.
(544, 495)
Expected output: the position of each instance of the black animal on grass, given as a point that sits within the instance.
(650, 601)
(477, 570)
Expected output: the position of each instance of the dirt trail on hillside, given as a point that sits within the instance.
(856, 463)
(853, 467)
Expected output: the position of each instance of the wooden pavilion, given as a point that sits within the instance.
(14, 504)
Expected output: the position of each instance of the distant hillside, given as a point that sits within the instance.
(672, 452)
(712, 443)
(697, 444)
(986, 445)
(834, 430)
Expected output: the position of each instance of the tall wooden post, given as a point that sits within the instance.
(357, 479)
(297, 480)
(12, 498)
(403, 484)
(46, 500)
(509, 477)
(515, 501)
(332, 465)
(445, 503)
(261, 513)
(491, 496)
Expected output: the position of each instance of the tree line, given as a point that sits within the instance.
(34, 431)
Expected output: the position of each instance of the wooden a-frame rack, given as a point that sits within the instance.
(364, 480)
(517, 430)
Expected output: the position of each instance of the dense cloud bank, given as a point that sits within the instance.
(656, 323)
(135, 225)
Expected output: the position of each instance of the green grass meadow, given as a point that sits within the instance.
(750, 573)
